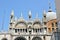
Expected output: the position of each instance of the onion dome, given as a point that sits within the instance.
(51, 16)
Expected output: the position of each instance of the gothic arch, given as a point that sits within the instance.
(20, 38)
(4, 39)
(36, 38)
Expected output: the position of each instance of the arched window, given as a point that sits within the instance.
(15, 30)
(56, 24)
(52, 24)
(4, 39)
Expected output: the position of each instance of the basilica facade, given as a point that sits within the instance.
(32, 29)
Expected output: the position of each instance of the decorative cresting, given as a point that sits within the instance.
(4, 39)
(20, 38)
(36, 38)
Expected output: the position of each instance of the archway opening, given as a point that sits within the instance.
(36, 38)
(20, 38)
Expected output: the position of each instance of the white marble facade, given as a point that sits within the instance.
(21, 29)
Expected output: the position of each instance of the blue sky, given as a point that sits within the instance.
(36, 6)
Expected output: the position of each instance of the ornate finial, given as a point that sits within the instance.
(50, 10)
(21, 14)
(12, 13)
(49, 5)
(36, 15)
(44, 12)
(3, 23)
(29, 14)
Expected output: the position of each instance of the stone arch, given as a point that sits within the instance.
(36, 38)
(4, 39)
(20, 38)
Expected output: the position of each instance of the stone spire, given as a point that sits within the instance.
(44, 13)
(36, 15)
(12, 14)
(21, 15)
(12, 19)
(44, 21)
(3, 23)
(44, 17)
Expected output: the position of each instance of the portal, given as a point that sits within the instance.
(36, 38)
(20, 38)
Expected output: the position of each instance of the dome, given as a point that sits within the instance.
(51, 15)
